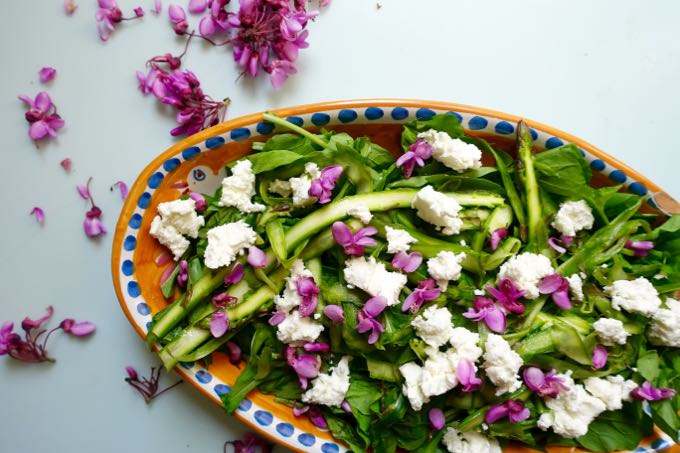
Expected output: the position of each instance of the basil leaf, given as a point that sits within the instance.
(617, 430)
(361, 394)
(648, 366)
(344, 430)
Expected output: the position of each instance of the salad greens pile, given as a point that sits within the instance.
(618, 263)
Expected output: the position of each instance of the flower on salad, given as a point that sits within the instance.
(427, 290)
(366, 318)
(334, 312)
(306, 366)
(639, 248)
(486, 310)
(437, 419)
(514, 410)
(417, 154)
(407, 262)
(558, 288)
(646, 392)
(496, 237)
(323, 186)
(600, 357)
(508, 295)
(353, 244)
(257, 258)
(544, 384)
(465, 372)
(307, 289)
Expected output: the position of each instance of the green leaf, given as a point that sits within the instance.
(270, 160)
(377, 156)
(361, 394)
(448, 183)
(648, 365)
(665, 417)
(290, 142)
(383, 371)
(442, 122)
(195, 270)
(616, 430)
(343, 430)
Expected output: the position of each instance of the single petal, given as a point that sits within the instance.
(437, 419)
(317, 347)
(83, 191)
(81, 329)
(132, 373)
(374, 306)
(334, 312)
(139, 11)
(47, 74)
(561, 299)
(496, 413)
(257, 257)
(277, 318)
(219, 324)
(550, 284)
(496, 237)
(157, 6)
(207, 26)
(235, 275)
(176, 13)
(39, 215)
(66, 164)
(495, 320)
(600, 356)
(534, 378)
(555, 244)
(342, 234)
(299, 411)
(346, 407)
(197, 6)
(43, 102)
(234, 353)
(122, 187)
(38, 130)
(28, 323)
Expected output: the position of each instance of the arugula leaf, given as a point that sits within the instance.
(617, 430)
(290, 142)
(361, 394)
(270, 160)
(377, 156)
(648, 365)
(449, 183)
(343, 430)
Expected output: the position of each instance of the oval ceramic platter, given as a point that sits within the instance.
(199, 162)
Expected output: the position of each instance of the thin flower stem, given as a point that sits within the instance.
(167, 388)
(281, 122)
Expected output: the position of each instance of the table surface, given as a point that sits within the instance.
(605, 71)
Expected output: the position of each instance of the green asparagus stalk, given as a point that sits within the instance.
(538, 235)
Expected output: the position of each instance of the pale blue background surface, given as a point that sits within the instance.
(606, 71)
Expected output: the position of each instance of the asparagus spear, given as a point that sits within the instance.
(538, 234)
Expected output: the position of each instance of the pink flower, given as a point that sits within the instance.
(353, 244)
(92, 224)
(558, 287)
(507, 295)
(560, 245)
(306, 366)
(219, 324)
(70, 7)
(437, 419)
(600, 356)
(486, 310)
(223, 299)
(147, 387)
(77, 329)
(199, 200)
(39, 215)
(235, 275)
(277, 318)
(183, 275)
(408, 262)
(157, 6)
(234, 353)
(257, 258)
(323, 186)
(47, 74)
(249, 444)
(107, 17)
(8, 339)
(279, 70)
(139, 11)
(66, 164)
(648, 393)
(513, 409)
(122, 187)
(217, 21)
(366, 318)
(313, 413)
(427, 290)
(307, 289)
(417, 154)
(465, 371)
(29, 324)
(496, 237)
(335, 313)
(544, 384)
(317, 347)
(178, 18)
(42, 116)
(197, 6)
(640, 248)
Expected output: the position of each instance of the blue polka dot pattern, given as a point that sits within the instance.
(129, 243)
(265, 127)
(553, 142)
(534, 134)
(245, 405)
(148, 325)
(374, 113)
(214, 142)
(133, 289)
(330, 448)
(660, 444)
(347, 116)
(143, 309)
(505, 128)
(306, 439)
(285, 429)
(239, 134)
(424, 114)
(171, 164)
(651, 202)
(321, 119)
(296, 120)
(618, 176)
(143, 201)
(477, 122)
(457, 115)
(222, 389)
(399, 113)
(128, 268)
(155, 180)
(597, 165)
(135, 221)
(186, 365)
(191, 152)
(264, 418)
(203, 376)
(638, 189)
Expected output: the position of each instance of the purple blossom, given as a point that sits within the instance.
(507, 294)
(323, 186)
(346, 407)
(486, 310)
(513, 409)
(108, 15)
(199, 200)
(197, 6)
(544, 384)
(234, 353)
(183, 275)
(77, 329)
(178, 18)
(600, 356)
(42, 116)
(307, 289)
(561, 244)
(223, 300)
(437, 419)
(47, 74)
(235, 275)
(366, 318)
(427, 290)
(317, 347)
(305, 365)
(558, 287)
(408, 262)
(92, 225)
(496, 236)
(249, 444)
(66, 164)
(417, 154)
(280, 70)
(157, 6)
(353, 244)
(640, 248)
(39, 215)
(218, 20)
(8, 339)
(147, 387)
(649, 393)
(122, 188)
(277, 318)
(257, 258)
(219, 324)
(334, 312)
(139, 11)
(465, 371)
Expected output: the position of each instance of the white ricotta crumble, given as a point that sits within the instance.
(398, 240)
(413, 374)
(572, 217)
(636, 296)
(301, 184)
(239, 188)
(469, 442)
(360, 212)
(479, 292)
(227, 241)
(664, 330)
(434, 326)
(502, 364)
(610, 331)
(572, 411)
(280, 187)
(526, 271)
(444, 267)
(290, 298)
(452, 152)
(372, 277)
(612, 391)
(330, 389)
(296, 330)
(466, 344)
(438, 209)
(576, 286)
(176, 219)
(439, 372)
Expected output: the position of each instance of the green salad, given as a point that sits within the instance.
(429, 302)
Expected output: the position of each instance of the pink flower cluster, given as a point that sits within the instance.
(109, 16)
(42, 116)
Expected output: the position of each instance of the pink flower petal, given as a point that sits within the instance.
(163, 258)
(334, 312)
(317, 347)
(496, 237)
(561, 299)
(28, 323)
(176, 13)
(197, 6)
(342, 234)
(139, 11)
(257, 258)
(495, 320)
(374, 306)
(550, 284)
(83, 190)
(199, 200)
(132, 373)
(437, 419)
(496, 413)
(66, 164)
(555, 244)
(534, 378)
(277, 318)
(600, 356)
(38, 130)
(465, 371)
(39, 215)
(43, 103)
(47, 74)
(78, 329)
(219, 324)
(122, 187)
(235, 275)
(70, 7)
(157, 6)
(234, 353)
